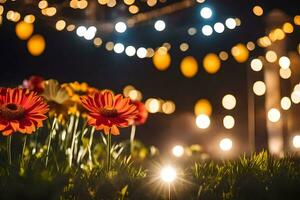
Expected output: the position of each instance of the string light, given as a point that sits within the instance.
(230, 23)
(168, 174)
(296, 141)
(207, 30)
(206, 12)
(284, 62)
(256, 65)
(219, 27)
(119, 48)
(120, 27)
(130, 51)
(225, 144)
(141, 52)
(274, 115)
(285, 73)
(178, 151)
(285, 103)
(202, 121)
(228, 122)
(229, 102)
(259, 88)
(160, 25)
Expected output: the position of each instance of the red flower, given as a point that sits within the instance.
(109, 111)
(142, 115)
(34, 83)
(21, 111)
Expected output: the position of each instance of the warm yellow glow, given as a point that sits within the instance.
(151, 3)
(271, 56)
(1, 9)
(256, 64)
(264, 41)
(285, 103)
(223, 55)
(279, 34)
(250, 46)
(258, 11)
(29, 19)
(24, 30)
(82, 4)
(240, 53)
(13, 16)
(285, 73)
(43, 4)
(184, 47)
(133, 9)
(229, 102)
(225, 144)
(127, 89)
(228, 122)
(178, 151)
(36, 45)
(51, 11)
(111, 3)
(168, 107)
(297, 19)
(109, 46)
(168, 174)
(296, 141)
(135, 95)
(152, 105)
(161, 59)
(203, 106)
(71, 27)
(288, 27)
(259, 88)
(129, 2)
(211, 63)
(189, 67)
(274, 115)
(284, 62)
(97, 41)
(202, 121)
(295, 96)
(60, 25)
(103, 2)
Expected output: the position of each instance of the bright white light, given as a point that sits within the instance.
(219, 27)
(228, 122)
(80, 31)
(259, 88)
(230, 23)
(229, 102)
(285, 73)
(206, 13)
(295, 97)
(207, 30)
(120, 27)
(285, 103)
(168, 174)
(90, 33)
(141, 52)
(178, 150)
(119, 48)
(284, 62)
(202, 121)
(225, 144)
(274, 115)
(160, 25)
(256, 65)
(130, 51)
(296, 141)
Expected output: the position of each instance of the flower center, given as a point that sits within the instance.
(11, 111)
(109, 112)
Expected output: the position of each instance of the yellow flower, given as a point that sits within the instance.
(57, 98)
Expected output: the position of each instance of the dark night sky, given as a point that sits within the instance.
(69, 58)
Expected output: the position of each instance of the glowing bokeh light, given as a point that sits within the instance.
(229, 102)
(141, 52)
(230, 23)
(211, 63)
(168, 107)
(168, 174)
(206, 13)
(258, 10)
(284, 62)
(219, 27)
(120, 27)
(161, 59)
(256, 65)
(202, 121)
(119, 48)
(189, 66)
(36, 45)
(285, 103)
(178, 151)
(203, 106)
(207, 30)
(228, 122)
(24, 30)
(271, 56)
(80, 31)
(296, 141)
(259, 88)
(225, 144)
(285, 73)
(240, 53)
(274, 115)
(160, 25)
(130, 51)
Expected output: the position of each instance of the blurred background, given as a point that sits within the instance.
(221, 74)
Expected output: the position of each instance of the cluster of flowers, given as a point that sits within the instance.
(24, 109)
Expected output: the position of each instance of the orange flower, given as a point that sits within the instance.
(109, 111)
(21, 111)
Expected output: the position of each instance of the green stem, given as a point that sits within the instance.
(23, 151)
(49, 142)
(9, 149)
(132, 135)
(108, 148)
(90, 144)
